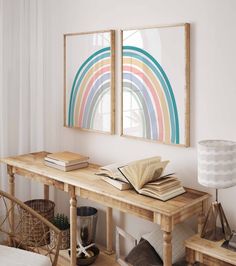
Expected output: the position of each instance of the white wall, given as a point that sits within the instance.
(213, 79)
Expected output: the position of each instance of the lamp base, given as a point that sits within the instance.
(210, 229)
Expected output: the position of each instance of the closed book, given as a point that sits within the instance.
(62, 163)
(163, 196)
(116, 183)
(66, 158)
(67, 168)
(112, 171)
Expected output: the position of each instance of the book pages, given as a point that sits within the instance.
(142, 172)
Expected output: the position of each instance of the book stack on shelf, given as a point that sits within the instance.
(66, 161)
(146, 177)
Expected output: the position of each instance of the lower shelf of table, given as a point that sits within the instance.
(102, 260)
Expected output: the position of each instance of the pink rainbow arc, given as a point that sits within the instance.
(88, 89)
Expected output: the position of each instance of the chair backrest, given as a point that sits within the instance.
(12, 226)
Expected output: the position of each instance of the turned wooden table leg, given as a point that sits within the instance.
(109, 227)
(46, 192)
(167, 226)
(11, 181)
(167, 248)
(73, 225)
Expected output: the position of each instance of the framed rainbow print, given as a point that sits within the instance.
(89, 81)
(155, 78)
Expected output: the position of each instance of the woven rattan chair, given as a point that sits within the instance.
(18, 241)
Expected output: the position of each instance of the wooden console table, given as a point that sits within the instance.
(86, 184)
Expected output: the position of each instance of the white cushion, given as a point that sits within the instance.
(180, 233)
(17, 257)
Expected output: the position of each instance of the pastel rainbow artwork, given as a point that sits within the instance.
(145, 79)
(91, 84)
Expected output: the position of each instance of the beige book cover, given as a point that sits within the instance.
(117, 183)
(67, 168)
(66, 158)
(111, 170)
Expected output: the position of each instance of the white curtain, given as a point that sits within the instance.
(21, 85)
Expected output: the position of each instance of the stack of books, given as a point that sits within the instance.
(66, 161)
(112, 175)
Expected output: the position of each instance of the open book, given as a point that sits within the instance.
(146, 177)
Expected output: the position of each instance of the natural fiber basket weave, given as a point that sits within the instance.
(31, 227)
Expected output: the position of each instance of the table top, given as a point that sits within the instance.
(86, 179)
(211, 248)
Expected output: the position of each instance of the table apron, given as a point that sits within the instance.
(116, 204)
(39, 178)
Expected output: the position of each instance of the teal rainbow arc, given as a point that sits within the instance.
(91, 82)
(145, 78)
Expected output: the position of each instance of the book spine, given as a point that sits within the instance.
(128, 180)
(67, 168)
(77, 166)
(61, 163)
(53, 165)
(117, 184)
(55, 161)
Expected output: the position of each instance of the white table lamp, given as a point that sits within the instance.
(216, 169)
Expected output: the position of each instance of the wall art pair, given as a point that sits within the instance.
(155, 82)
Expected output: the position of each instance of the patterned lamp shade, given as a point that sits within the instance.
(217, 163)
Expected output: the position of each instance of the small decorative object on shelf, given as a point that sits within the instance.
(32, 231)
(61, 222)
(87, 252)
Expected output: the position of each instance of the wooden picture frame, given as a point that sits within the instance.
(89, 81)
(120, 233)
(156, 84)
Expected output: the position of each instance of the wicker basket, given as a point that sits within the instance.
(34, 232)
(65, 239)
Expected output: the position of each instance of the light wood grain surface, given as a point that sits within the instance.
(86, 179)
(86, 184)
(208, 252)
